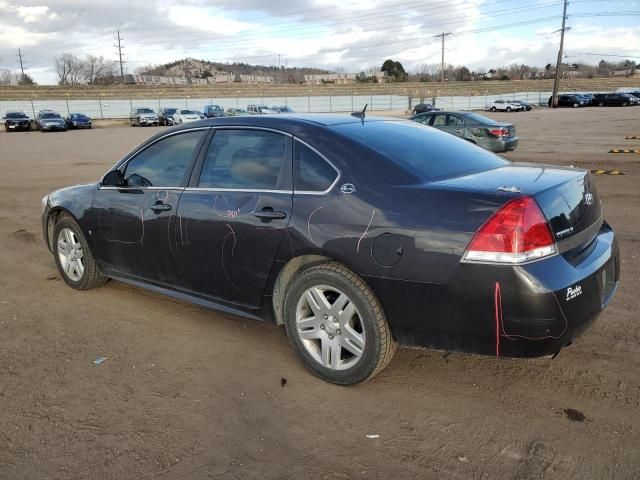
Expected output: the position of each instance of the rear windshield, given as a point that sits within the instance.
(144, 110)
(187, 112)
(424, 151)
(480, 119)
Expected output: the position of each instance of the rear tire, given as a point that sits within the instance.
(336, 325)
(493, 109)
(73, 257)
(508, 109)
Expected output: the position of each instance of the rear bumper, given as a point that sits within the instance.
(529, 310)
(500, 145)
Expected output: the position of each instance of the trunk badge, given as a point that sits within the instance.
(588, 198)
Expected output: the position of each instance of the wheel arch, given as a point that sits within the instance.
(52, 218)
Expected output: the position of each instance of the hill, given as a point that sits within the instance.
(191, 67)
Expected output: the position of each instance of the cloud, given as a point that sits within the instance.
(352, 35)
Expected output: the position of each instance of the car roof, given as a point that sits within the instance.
(287, 122)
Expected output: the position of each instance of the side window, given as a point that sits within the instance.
(164, 163)
(454, 121)
(311, 173)
(244, 159)
(424, 119)
(440, 120)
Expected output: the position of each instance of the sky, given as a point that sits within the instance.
(352, 35)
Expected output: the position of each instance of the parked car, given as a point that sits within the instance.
(77, 120)
(213, 111)
(48, 120)
(165, 116)
(260, 109)
(383, 232)
(475, 128)
(200, 114)
(504, 106)
(237, 112)
(587, 97)
(525, 105)
(571, 100)
(615, 99)
(143, 116)
(185, 116)
(423, 108)
(14, 120)
(283, 109)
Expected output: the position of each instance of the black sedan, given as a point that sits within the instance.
(355, 234)
(615, 100)
(16, 121)
(572, 100)
(423, 108)
(78, 120)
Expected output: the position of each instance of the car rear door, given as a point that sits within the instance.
(136, 223)
(454, 125)
(233, 216)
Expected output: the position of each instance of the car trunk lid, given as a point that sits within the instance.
(567, 197)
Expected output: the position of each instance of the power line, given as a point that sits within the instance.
(120, 47)
(556, 80)
(579, 54)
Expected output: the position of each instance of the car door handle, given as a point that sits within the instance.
(268, 213)
(160, 207)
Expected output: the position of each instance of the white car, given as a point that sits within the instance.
(185, 116)
(504, 106)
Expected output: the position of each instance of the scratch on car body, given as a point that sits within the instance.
(365, 231)
(309, 222)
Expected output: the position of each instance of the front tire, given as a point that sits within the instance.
(508, 109)
(493, 109)
(73, 257)
(336, 325)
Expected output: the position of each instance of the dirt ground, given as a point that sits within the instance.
(187, 393)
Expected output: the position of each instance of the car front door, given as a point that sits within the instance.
(233, 216)
(135, 232)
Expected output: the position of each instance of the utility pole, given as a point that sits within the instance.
(442, 35)
(119, 46)
(556, 81)
(21, 64)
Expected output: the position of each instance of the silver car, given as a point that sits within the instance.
(143, 116)
(495, 136)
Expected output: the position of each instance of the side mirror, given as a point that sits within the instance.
(113, 179)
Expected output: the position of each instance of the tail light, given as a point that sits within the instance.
(518, 232)
(499, 132)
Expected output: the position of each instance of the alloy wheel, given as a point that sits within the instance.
(70, 254)
(330, 327)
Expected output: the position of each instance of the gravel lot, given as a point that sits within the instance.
(189, 393)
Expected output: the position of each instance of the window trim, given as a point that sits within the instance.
(140, 148)
(315, 150)
(197, 170)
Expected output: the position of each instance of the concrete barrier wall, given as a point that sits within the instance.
(120, 108)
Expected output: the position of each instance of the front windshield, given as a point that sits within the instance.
(144, 110)
(170, 111)
(16, 115)
(187, 112)
(50, 115)
(79, 116)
